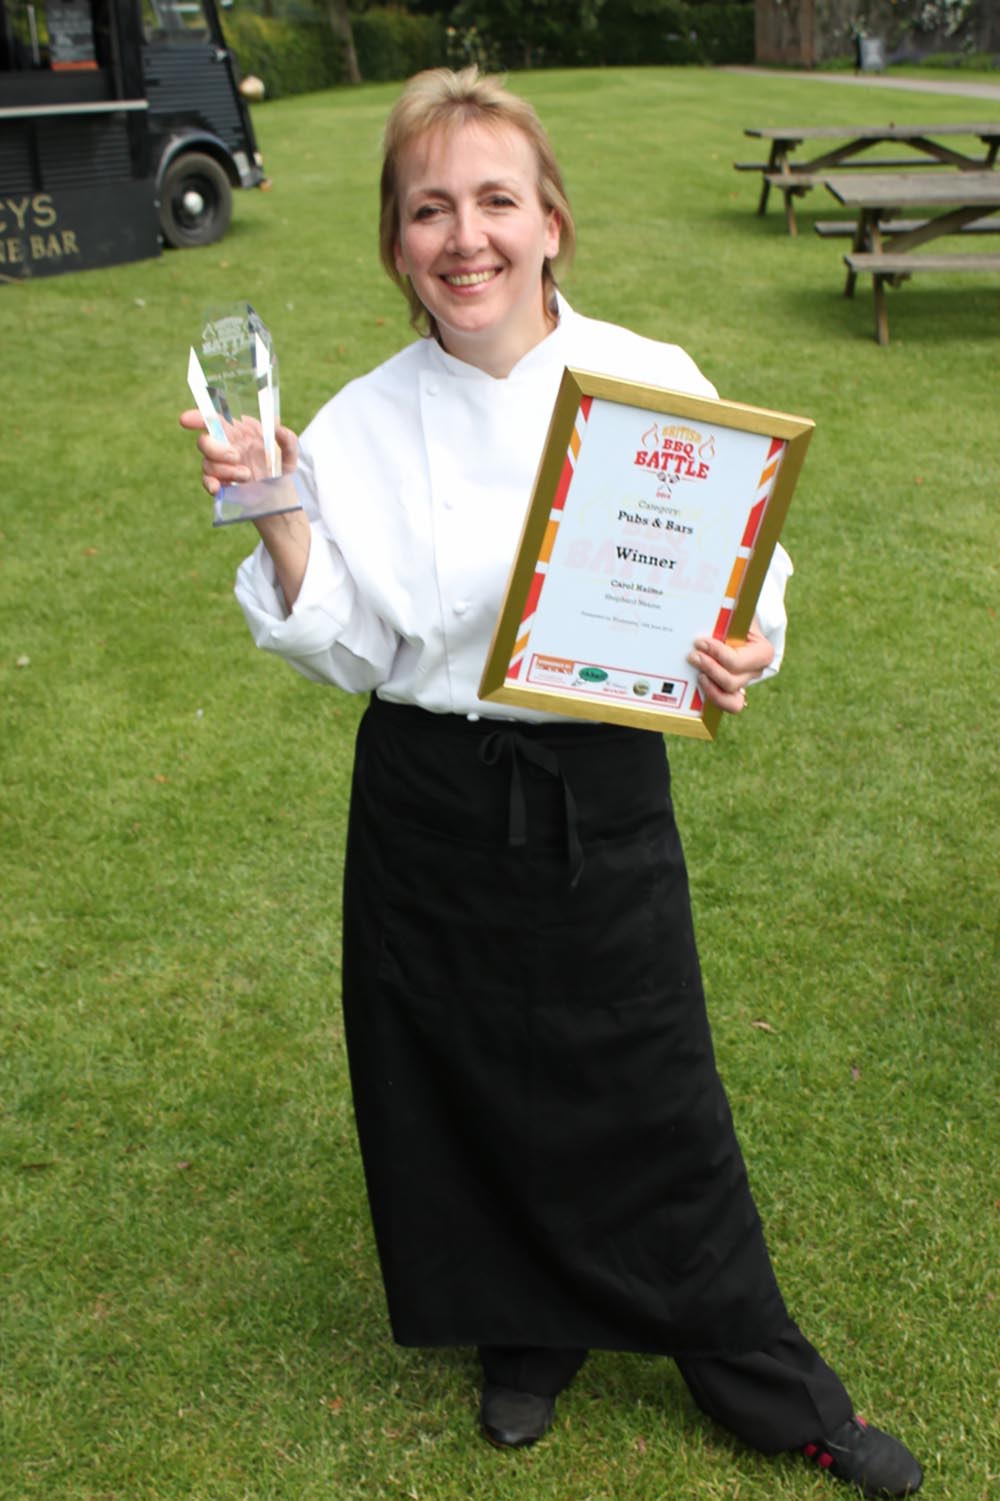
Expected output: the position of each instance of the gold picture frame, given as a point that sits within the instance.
(653, 519)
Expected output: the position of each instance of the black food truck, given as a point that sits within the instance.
(122, 127)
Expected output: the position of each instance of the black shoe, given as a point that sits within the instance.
(513, 1420)
(877, 1463)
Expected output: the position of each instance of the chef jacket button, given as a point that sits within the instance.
(448, 503)
(432, 388)
(460, 606)
(472, 718)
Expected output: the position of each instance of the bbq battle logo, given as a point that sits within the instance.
(675, 452)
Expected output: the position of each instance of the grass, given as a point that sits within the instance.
(191, 1305)
(953, 65)
(937, 67)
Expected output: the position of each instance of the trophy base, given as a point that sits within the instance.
(257, 498)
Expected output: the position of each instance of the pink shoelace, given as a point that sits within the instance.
(822, 1456)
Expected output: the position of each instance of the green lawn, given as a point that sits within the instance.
(958, 68)
(976, 68)
(191, 1309)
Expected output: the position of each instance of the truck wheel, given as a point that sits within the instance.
(196, 201)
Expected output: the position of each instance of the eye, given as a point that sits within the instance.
(500, 200)
(427, 211)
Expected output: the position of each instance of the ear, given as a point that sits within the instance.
(397, 253)
(553, 235)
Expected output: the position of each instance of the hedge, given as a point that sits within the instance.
(295, 55)
(392, 44)
(290, 56)
(681, 33)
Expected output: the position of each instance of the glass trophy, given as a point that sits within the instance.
(235, 387)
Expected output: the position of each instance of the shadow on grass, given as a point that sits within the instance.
(921, 316)
(771, 225)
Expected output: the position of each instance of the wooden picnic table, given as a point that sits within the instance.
(964, 197)
(794, 178)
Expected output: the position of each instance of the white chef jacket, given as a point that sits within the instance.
(417, 477)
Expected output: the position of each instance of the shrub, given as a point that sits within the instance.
(980, 62)
(725, 33)
(619, 35)
(678, 32)
(291, 56)
(391, 44)
(299, 52)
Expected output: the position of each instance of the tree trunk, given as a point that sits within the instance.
(340, 25)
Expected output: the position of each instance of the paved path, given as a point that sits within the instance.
(972, 90)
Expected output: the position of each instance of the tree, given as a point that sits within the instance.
(340, 25)
(524, 33)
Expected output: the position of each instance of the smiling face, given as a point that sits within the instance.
(473, 239)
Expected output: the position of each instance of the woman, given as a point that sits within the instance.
(550, 1158)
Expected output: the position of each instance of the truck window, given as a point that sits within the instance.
(173, 20)
(23, 36)
(58, 36)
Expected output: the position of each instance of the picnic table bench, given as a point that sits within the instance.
(923, 142)
(834, 229)
(883, 247)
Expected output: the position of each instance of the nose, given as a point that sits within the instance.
(467, 232)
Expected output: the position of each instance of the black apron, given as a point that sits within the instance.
(549, 1152)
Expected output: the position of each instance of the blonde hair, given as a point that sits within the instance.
(440, 99)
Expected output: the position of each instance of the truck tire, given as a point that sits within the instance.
(196, 201)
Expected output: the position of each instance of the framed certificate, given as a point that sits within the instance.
(653, 521)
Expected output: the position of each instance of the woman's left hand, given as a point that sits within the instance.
(726, 667)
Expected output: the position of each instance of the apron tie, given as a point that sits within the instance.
(510, 745)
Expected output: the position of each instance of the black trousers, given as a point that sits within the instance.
(779, 1397)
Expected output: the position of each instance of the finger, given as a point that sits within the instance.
(744, 660)
(226, 474)
(714, 672)
(221, 465)
(732, 702)
(289, 445)
(218, 451)
(214, 476)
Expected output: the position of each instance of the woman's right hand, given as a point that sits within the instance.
(240, 457)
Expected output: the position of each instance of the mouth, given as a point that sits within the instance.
(469, 278)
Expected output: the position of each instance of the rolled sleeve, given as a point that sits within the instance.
(771, 615)
(325, 636)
